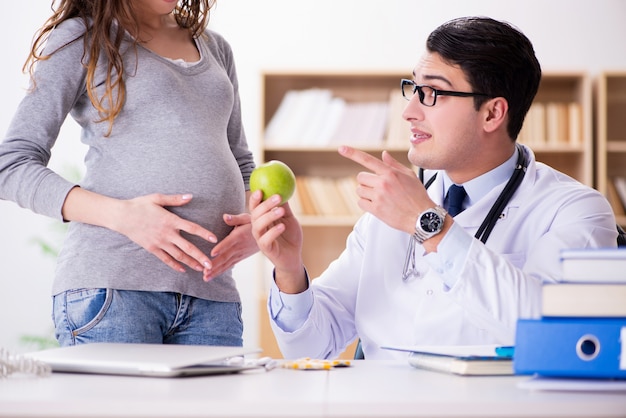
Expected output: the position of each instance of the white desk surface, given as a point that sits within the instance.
(367, 389)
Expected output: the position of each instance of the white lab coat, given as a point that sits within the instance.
(362, 293)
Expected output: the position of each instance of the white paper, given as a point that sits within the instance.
(450, 350)
(573, 384)
(622, 357)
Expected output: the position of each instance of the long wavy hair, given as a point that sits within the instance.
(107, 21)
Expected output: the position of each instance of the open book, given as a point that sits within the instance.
(467, 360)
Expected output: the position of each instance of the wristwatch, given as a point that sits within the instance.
(429, 223)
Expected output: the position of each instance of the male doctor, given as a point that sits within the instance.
(414, 271)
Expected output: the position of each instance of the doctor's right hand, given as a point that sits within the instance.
(279, 236)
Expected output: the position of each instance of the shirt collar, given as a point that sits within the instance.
(478, 187)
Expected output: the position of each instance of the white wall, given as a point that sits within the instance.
(355, 35)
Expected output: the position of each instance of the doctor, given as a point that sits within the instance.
(413, 271)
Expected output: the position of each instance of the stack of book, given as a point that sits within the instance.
(464, 360)
(326, 196)
(582, 331)
(552, 124)
(315, 118)
(616, 193)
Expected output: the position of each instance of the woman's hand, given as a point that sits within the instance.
(146, 222)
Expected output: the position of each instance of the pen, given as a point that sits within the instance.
(505, 351)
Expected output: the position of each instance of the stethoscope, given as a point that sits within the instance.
(496, 210)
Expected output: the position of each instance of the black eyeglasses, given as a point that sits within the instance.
(427, 94)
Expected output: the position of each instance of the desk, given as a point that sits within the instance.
(367, 389)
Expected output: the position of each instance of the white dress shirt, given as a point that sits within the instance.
(465, 293)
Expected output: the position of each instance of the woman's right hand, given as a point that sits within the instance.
(146, 222)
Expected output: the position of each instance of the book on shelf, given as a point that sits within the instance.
(292, 120)
(614, 199)
(325, 113)
(292, 116)
(534, 127)
(347, 189)
(557, 123)
(281, 116)
(314, 190)
(325, 196)
(305, 203)
(295, 202)
(314, 117)
(465, 360)
(607, 265)
(619, 182)
(552, 123)
(361, 124)
(583, 300)
(575, 121)
(398, 129)
(328, 122)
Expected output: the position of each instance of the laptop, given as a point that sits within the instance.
(152, 360)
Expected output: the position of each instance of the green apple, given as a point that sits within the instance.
(273, 177)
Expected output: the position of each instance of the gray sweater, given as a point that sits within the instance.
(180, 131)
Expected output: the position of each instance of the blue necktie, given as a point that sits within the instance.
(456, 195)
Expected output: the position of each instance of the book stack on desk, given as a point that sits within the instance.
(582, 331)
(465, 360)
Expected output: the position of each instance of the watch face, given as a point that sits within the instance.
(431, 222)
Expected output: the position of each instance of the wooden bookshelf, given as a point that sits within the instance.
(324, 236)
(611, 137)
(563, 142)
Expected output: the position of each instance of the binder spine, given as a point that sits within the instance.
(571, 347)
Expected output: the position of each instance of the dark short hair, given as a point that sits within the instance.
(497, 59)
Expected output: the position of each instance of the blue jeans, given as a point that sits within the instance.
(109, 315)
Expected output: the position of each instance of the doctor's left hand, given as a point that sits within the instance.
(391, 191)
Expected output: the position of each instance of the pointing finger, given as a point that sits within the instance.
(393, 163)
(363, 158)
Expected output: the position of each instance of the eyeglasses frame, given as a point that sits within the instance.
(417, 88)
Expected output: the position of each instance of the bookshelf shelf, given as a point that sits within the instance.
(326, 221)
(559, 125)
(611, 139)
(332, 149)
(559, 148)
(616, 146)
(325, 235)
